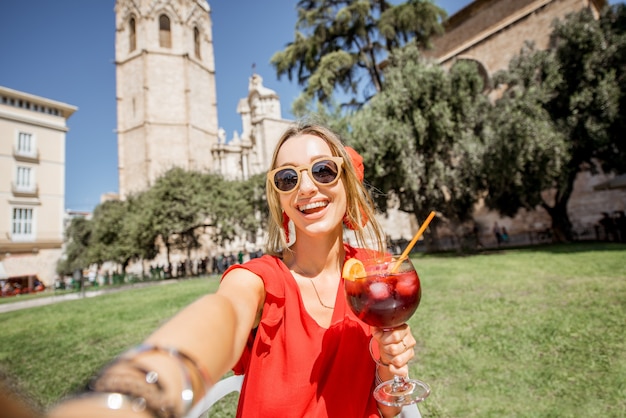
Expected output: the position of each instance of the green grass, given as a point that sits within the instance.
(533, 332)
(536, 332)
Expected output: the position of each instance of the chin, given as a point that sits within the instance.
(323, 228)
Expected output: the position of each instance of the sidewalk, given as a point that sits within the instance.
(31, 303)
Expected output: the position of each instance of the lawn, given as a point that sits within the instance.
(535, 332)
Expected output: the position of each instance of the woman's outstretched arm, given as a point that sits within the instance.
(186, 354)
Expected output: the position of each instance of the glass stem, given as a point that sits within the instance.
(398, 382)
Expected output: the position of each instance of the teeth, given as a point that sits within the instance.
(312, 206)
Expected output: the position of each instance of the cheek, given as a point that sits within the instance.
(285, 202)
(341, 198)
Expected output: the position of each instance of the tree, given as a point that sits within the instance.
(344, 44)
(110, 240)
(77, 238)
(176, 206)
(560, 114)
(250, 208)
(421, 136)
(526, 152)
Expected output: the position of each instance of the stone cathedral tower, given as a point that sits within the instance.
(166, 95)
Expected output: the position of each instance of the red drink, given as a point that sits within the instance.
(384, 300)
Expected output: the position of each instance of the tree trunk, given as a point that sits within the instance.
(561, 225)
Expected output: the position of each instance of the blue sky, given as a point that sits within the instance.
(64, 50)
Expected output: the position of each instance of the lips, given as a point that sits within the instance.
(312, 207)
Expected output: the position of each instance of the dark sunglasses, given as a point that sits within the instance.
(324, 171)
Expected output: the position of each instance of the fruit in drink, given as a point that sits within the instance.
(384, 300)
(353, 269)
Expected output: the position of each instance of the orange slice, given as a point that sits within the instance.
(353, 269)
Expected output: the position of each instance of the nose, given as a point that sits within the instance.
(306, 183)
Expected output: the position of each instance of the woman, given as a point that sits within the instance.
(281, 319)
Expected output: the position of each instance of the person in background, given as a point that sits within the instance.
(505, 235)
(608, 225)
(498, 233)
(620, 225)
(282, 319)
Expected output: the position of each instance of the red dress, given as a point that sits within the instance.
(296, 368)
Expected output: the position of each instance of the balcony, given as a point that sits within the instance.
(27, 157)
(24, 191)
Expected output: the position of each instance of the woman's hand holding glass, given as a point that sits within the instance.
(395, 348)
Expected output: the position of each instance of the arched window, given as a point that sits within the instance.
(196, 42)
(482, 71)
(132, 35)
(165, 35)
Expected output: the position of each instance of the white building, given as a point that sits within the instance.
(32, 184)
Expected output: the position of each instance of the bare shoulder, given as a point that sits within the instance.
(246, 292)
(240, 277)
(241, 284)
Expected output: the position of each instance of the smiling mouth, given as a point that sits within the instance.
(312, 207)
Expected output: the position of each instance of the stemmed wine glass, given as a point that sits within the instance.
(387, 297)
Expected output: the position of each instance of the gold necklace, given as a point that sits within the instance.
(314, 287)
(318, 295)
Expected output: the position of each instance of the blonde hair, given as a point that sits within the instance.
(360, 207)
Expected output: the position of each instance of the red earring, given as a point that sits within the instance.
(286, 226)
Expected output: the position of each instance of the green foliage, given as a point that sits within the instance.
(340, 45)
(181, 207)
(421, 136)
(77, 237)
(110, 240)
(562, 111)
(526, 153)
(177, 207)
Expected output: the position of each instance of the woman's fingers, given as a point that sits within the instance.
(395, 347)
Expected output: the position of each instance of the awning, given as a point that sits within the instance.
(3, 272)
(617, 182)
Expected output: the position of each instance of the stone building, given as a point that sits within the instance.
(167, 104)
(491, 33)
(250, 152)
(166, 98)
(32, 186)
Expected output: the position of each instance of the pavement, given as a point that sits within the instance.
(48, 300)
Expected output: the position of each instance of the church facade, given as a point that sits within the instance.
(166, 98)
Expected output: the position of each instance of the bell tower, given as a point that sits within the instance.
(166, 95)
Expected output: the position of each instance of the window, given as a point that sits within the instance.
(22, 224)
(196, 42)
(132, 33)
(24, 178)
(165, 36)
(25, 145)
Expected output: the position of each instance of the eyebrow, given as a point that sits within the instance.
(317, 157)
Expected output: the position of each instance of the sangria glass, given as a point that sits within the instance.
(386, 298)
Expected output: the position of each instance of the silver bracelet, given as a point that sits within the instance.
(132, 385)
(118, 401)
(188, 396)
